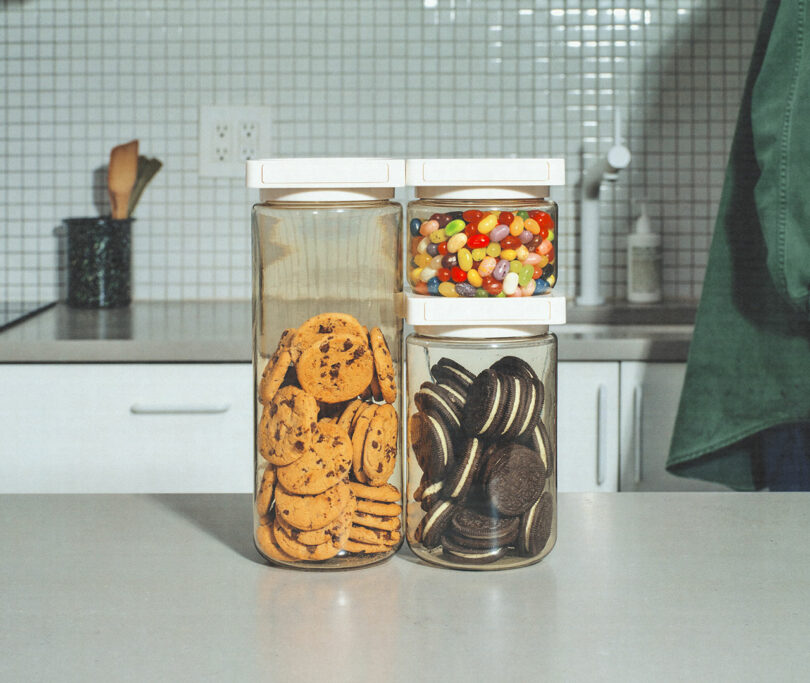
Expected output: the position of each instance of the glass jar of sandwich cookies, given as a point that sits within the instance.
(326, 347)
(481, 487)
(483, 227)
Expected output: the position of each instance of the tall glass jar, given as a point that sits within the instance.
(326, 357)
(481, 485)
(483, 227)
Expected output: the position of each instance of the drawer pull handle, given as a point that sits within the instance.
(179, 408)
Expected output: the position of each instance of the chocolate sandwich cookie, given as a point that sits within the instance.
(512, 365)
(458, 396)
(431, 494)
(478, 530)
(447, 371)
(463, 472)
(438, 446)
(513, 478)
(484, 405)
(432, 397)
(529, 411)
(464, 555)
(538, 440)
(512, 393)
(434, 523)
(535, 526)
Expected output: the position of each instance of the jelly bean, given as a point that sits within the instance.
(494, 288)
(470, 230)
(525, 237)
(447, 289)
(500, 296)
(542, 287)
(510, 284)
(487, 266)
(525, 275)
(521, 253)
(437, 236)
(545, 247)
(414, 224)
(443, 274)
(544, 220)
(472, 215)
(551, 279)
(428, 227)
(426, 274)
(532, 226)
(457, 274)
(532, 258)
(477, 241)
(465, 259)
(421, 260)
(510, 242)
(465, 289)
(548, 270)
(493, 249)
(515, 266)
(543, 232)
(499, 272)
(420, 287)
(477, 254)
(534, 243)
(498, 232)
(543, 262)
(487, 223)
(453, 227)
(474, 278)
(455, 215)
(422, 248)
(441, 247)
(435, 262)
(433, 285)
(415, 242)
(432, 249)
(550, 236)
(441, 218)
(516, 226)
(481, 293)
(509, 254)
(506, 217)
(551, 254)
(456, 242)
(528, 289)
(538, 271)
(523, 214)
(449, 261)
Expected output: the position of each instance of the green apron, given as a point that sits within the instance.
(749, 360)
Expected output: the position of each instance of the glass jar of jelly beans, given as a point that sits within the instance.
(481, 459)
(327, 273)
(483, 227)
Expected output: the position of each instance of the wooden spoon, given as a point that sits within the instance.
(121, 174)
(147, 168)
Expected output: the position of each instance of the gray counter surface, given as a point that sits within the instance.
(698, 587)
(220, 331)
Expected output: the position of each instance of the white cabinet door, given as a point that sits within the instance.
(126, 428)
(650, 393)
(588, 426)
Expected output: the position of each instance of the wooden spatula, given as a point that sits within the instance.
(121, 174)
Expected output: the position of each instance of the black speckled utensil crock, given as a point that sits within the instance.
(99, 261)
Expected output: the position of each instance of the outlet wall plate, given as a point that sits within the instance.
(229, 136)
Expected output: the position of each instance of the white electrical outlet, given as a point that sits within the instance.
(231, 135)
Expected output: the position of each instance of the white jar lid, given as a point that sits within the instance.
(325, 179)
(471, 317)
(484, 178)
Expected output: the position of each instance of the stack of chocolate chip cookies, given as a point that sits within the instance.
(328, 433)
(486, 459)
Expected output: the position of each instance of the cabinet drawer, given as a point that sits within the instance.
(126, 428)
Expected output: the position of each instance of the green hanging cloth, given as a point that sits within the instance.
(749, 361)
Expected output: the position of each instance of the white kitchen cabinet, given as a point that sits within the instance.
(126, 428)
(588, 426)
(650, 393)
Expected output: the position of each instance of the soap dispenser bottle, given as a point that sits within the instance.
(643, 262)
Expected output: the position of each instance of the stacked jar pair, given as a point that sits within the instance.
(473, 483)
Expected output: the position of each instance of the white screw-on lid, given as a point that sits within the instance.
(484, 178)
(471, 317)
(325, 179)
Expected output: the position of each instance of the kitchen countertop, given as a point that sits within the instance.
(687, 586)
(220, 331)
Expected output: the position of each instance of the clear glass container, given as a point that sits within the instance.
(326, 355)
(481, 485)
(482, 247)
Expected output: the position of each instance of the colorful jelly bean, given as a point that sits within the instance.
(473, 215)
(441, 218)
(471, 229)
(442, 247)
(481, 293)
(433, 285)
(506, 217)
(422, 248)
(443, 274)
(421, 260)
(523, 214)
(437, 236)
(454, 227)
(510, 242)
(420, 287)
(487, 223)
(465, 259)
(509, 254)
(477, 241)
(516, 226)
(500, 270)
(487, 266)
(474, 278)
(499, 232)
(426, 274)
(456, 242)
(525, 275)
(545, 247)
(541, 286)
(432, 249)
(465, 289)
(435, 262)
(521, 253)
(493, 249)
(449, 261)
(531, 226)
(528, 289)
(493, 288)
(532, 258)
(428, 227)
(414, 225)
(525, 237)
(515, 266)
(551, 279)
(447, 289)
(477, 254)
(415, 273)
(457, 274)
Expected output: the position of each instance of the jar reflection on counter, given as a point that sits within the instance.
(481, 469)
